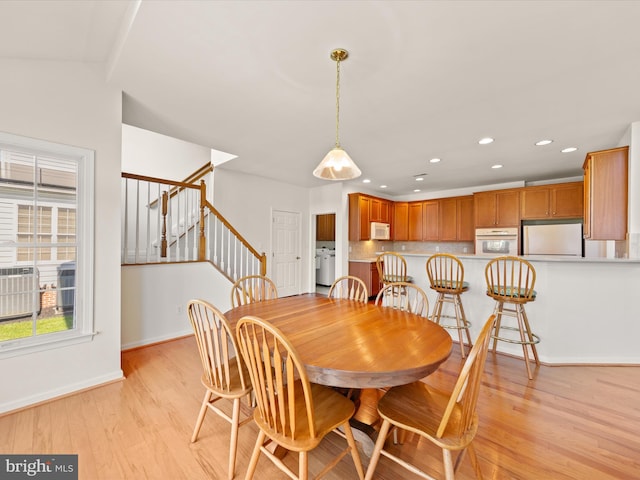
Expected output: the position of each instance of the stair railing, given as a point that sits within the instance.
(170, 221)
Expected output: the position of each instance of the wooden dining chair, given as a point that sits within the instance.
(349, 287)
(392, 268)
(447, 419)
(224, 374)
(252, 288)
(404, 296)
(510, 282)
(446, 278)
(291, 411)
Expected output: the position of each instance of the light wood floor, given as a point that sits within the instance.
(568, 423)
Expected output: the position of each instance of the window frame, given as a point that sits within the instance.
(83, 330)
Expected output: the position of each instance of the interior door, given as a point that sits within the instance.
(286, 267)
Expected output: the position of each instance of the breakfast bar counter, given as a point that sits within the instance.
(587, 310)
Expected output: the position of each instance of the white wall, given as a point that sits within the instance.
(247, 202)
(69, 103)
(156, 155)
(154, 299)
(632, 138)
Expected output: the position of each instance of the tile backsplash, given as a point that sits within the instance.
(367, 249)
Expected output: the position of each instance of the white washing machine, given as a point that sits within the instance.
(325, 266)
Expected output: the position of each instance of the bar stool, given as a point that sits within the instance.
(446, 277)
(510, 280)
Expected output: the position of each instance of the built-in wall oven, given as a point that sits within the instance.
(497, 241)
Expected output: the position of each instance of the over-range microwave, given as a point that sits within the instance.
(380, 231)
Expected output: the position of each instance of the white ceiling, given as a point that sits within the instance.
(424, 79)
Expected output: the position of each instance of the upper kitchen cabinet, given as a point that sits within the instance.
(380, 210)
(400, 221)
(561, 200)
(456, 219)
(430, 220)
(415, 221)
(359, 222)
(326, 227)
(605, 194)
(497, 208)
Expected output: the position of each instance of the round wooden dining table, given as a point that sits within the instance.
(344, 343)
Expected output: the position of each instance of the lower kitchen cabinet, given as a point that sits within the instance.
(368, 273)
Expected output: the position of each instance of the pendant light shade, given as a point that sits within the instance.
(337, 164)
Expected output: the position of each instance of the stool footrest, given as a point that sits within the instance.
(465, 323)
(535, 340)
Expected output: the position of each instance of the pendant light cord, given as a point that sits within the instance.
(338, 103)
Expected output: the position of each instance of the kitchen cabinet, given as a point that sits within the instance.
(379, 210)
(415, 221)
(561, 200)
(326, 227)
(430, 220)
(466, 224)
(368, 273)
(456, 219)
(364, 209)
(400, 225)
(448, 220)
(359, 223)
(497, 208)
(605, 194)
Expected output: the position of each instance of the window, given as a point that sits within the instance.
(46, 244)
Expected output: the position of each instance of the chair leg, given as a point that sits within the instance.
(474, 461)
(201, 415)
(437, 309)
(375, 456)
(525, 351)
(464, 320)
(303, 466)
(354, 450)
(530, 335)
(253, 463)
(449, 472)
(497, 311)
(233, 444)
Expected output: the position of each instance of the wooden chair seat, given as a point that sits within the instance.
(420, 408)
(330, 409)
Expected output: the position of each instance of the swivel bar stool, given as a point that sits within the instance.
(510, 281)
(446, 277)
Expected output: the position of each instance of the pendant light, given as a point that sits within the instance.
(337, 165)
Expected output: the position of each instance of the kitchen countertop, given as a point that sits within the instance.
(530, 258)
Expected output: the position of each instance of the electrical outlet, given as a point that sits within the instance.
(437, 248)
(179, 309)
(465, 249)
(403, 247)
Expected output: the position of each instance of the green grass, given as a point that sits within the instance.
(12, 330)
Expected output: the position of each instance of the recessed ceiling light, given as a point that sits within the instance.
(416, 190)
(419, 179)
(366, 180)
(434, 160)
(496, 166)
(485, 141)
(544, 142)
(568, 149)
(383, 186)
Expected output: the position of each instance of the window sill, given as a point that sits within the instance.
(14, 348)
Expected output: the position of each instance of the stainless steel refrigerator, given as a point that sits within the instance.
(556, 239)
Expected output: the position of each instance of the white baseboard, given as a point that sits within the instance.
(60, 391)
(158, 339)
